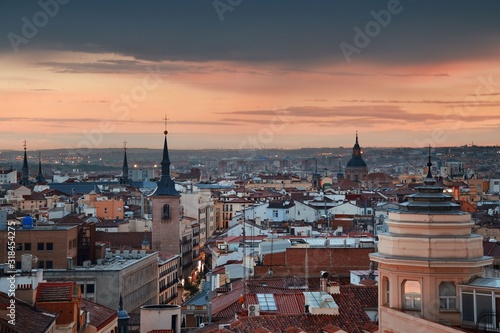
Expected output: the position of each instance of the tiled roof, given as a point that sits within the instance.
(226, 300)
(370, 327)
(54, 291)
(293, 330)
(35, 196)
(346, 184)
(29, 319)
(285, 303)
(331, 328)
(99, 315)
(71, 219)
(308, 323)
(491, 249)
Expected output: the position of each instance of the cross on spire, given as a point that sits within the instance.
(165, 119)
(125, 145)
(24, 144)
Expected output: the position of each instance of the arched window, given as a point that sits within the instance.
(447, 296)
(412, 295)
(387, 291)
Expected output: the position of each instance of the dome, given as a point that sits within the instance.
(356, 162)
(122, 314)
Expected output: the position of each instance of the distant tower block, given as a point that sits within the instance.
(166, 209)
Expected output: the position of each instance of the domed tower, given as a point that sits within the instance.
(356, 168)
(427, 253)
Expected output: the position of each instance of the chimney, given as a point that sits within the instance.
(323, 280)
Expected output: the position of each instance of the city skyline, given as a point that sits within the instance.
(249, 74)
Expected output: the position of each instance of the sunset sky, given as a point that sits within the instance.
(249, 73)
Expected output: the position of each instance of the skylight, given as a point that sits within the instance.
(267, 302)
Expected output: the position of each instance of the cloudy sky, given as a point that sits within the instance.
(249, 73)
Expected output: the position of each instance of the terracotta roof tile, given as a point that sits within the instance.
(29, 319)
(294, 330)
(260, 330)
(54, 291)
(99, 315)
(331, 328)
(370, 327)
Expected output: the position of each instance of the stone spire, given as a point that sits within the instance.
(25, 170)
(356, 150)
(165, 186)
(124, 178)
(40, 178)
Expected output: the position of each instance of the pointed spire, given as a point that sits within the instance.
(166, 185)
(120, 304)
(25, 169)
(315, 165)
(356, 150)
(429, 179)
(124, 177)
(40, 178)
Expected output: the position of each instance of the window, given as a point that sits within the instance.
(19, 246)
(90, 288)
(447, 296)
(468, 310)
(48, 264)
(267, 302)
(27, 246)
(105, 210)
(412, 295)
(275, 213)
(18, 265)
(166, 211)
(40, 264)
(49, 246)
(387, 291)
(40, 247)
